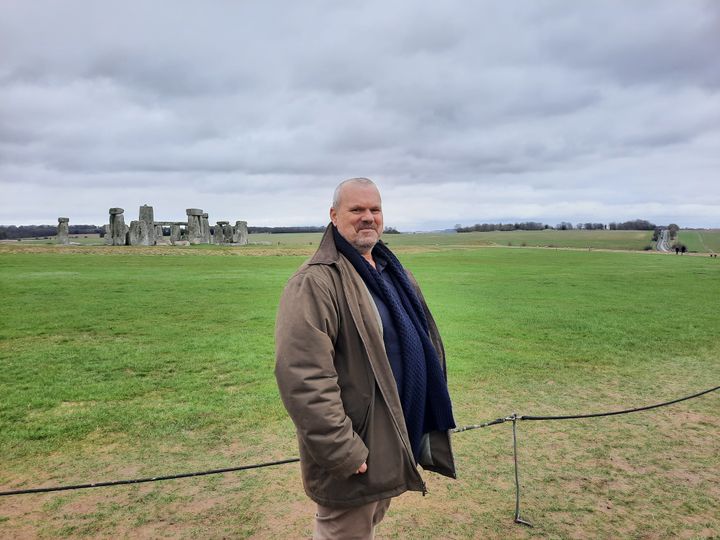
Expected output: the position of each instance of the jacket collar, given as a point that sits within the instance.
(327, 253)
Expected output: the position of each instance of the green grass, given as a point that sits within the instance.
(91, 342)
(124, 363)
(82, 239)
(700, 240)
(616, 240)
(621, 240)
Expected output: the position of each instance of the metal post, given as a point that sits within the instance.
(518, 519)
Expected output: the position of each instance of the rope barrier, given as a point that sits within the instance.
(625, 411)
(150, 479)
(514, 418)
(518, 519)
(478, 426)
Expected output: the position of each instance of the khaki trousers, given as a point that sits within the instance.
(357, 523)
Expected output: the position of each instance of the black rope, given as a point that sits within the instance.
(513, 418)
(151, 479)
(625, 411)
(478, 426)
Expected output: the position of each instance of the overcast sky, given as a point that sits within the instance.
(462, 112)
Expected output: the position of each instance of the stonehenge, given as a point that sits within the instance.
(63, 230)
(145, 231)
(240, 233)
(175, 233)
(117, 229)
(147, 226)
(205, 226)
(159, 238)
(133, 236)
(223, 233)
(194, 226)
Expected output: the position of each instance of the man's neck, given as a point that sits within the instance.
(369, 258)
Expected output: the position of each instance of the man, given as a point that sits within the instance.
(361, 370)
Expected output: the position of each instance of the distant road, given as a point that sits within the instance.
(662, 244)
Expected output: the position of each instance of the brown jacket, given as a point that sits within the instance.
(336, 383)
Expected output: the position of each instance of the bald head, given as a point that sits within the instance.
(350, 181)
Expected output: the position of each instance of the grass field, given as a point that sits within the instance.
(701, 240)
(621, 240)
(82, 239)
(617, 240)
(128, 362)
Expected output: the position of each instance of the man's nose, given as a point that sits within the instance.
(367, 216)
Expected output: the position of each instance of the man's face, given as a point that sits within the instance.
(359, 217)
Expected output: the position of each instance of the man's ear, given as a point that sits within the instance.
(333, 216)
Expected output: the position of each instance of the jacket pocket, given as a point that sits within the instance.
(358, 407)
(389, 464)
(362, 425)
(390, 467)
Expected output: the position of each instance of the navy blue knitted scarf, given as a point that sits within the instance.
(423, 389)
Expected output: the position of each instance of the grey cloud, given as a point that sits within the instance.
(669, 43)
(556, 104)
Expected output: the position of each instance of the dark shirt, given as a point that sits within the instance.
(390, 336)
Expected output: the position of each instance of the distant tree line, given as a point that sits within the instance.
(634, 225)
(11, 232)
(488, 227)
(592, 226)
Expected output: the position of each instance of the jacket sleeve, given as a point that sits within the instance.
(305, 333)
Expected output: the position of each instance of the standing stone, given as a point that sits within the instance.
(147, 226)
(159, 235)
(219, 235)
(118, 229)
(175, 233)
(63, 231)
(205, 227)
(227, 233)
(146, 213)
(240, 233)
(108, 234)
(147, 234)
(134, 235)
(194, 225)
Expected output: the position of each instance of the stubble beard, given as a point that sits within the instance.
(365, 244)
